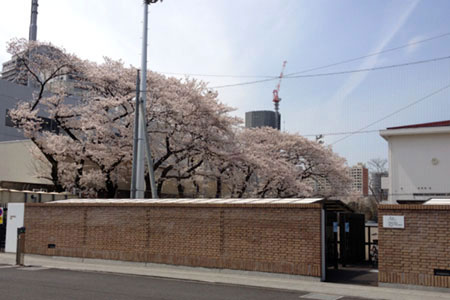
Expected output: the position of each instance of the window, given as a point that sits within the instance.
(47, 124)
(8, 120)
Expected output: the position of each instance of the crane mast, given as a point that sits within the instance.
(276, 99)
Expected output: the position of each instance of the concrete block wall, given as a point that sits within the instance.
(409, 256)
(269, 238)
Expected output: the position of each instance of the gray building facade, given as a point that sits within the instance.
(262, 118)
(10, 94)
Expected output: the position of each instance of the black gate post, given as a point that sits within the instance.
(3, 231)
(20, 251)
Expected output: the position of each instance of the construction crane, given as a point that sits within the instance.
(276, 99)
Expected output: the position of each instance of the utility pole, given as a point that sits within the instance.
(33, 32)
(33, 22)
(135, 139)
(143, 149)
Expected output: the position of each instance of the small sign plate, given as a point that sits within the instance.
(335, 226)
(394, 222)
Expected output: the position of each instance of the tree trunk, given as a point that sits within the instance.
(162, 178)
(180, 189)
(197, 188)
(159, 187)
(218, 187)
(240, 194)
(111, 187)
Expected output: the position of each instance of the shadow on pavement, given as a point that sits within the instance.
(362, 275)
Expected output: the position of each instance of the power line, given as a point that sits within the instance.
(218, 75)
(315, 68)
(336, 73)
(244, 83)
(372, 69)
(373, 54)
(395, 112)
(340, 133)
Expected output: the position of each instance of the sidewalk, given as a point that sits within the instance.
(277, 281)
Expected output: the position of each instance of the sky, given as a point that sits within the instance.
(254, 37)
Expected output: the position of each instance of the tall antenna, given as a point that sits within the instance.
(33, 21)
(276, 99)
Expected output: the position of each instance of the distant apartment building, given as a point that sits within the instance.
(419, 161)
(359, 175)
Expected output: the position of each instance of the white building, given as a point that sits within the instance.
(419, 161)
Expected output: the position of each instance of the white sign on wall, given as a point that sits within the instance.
(15, 220)
(394, 221)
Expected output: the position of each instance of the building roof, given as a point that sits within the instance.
(441, 127)
(192, 201)
(438, 201)
(423, 125)
(328, 204)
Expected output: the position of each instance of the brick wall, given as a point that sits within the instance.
(410, 255)
(268, 238)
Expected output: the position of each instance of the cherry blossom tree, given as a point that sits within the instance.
(189, 127)
(92, 150)
(271, 164)
(195, 141)
(40, 64)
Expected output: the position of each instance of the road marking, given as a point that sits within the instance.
(321, 296)
(31, 268)
(6, 267)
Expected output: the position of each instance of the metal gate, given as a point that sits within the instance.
(345, 239)
(331, 240)
(352, 238)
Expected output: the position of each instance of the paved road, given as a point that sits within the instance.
(41, 283)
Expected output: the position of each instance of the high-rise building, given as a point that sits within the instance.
(359, 175)
(262, 118)
(14, 69)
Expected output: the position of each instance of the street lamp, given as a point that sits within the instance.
(143, 146)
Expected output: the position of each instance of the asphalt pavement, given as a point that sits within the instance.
(39, 283)
(47, 277)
